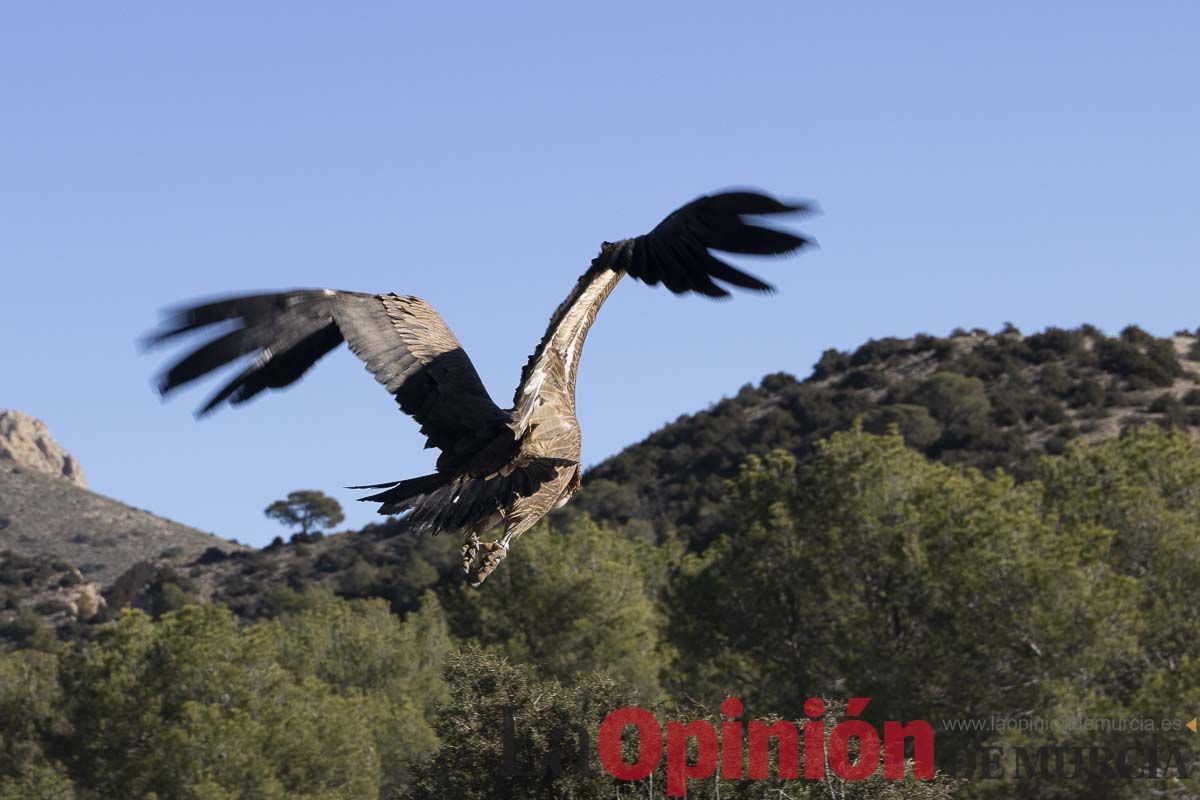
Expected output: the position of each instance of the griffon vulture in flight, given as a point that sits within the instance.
(497, 466)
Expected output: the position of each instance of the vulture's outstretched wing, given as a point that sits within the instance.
(675, 253)
(404, 342)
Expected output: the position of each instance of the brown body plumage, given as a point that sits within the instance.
(497, 466)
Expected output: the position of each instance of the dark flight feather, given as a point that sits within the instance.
(402, 340)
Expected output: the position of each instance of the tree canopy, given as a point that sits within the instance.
(307, 509)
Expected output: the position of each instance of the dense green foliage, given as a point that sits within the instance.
(954, 595)
(871, 571)
(577, 601)
(330, 703)
(551, 722)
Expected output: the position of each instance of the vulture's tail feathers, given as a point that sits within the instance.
(437, 502)
(402, 490)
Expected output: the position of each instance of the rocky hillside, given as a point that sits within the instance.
(378, 561)
(46, 516)
(63, 547)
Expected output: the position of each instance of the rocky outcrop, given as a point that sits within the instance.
(87, 602)
(26, 441)
(45, 516)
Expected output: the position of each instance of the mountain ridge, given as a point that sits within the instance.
(976, 399)
(990, 400)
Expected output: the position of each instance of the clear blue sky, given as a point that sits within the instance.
(976, 163)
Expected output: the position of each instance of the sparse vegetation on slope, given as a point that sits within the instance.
(994, 401)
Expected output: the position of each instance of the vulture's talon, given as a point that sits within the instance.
(470, 549)
(496, 551)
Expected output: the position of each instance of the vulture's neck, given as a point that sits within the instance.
(549, 377)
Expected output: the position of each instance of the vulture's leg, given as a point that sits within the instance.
(496, 551)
